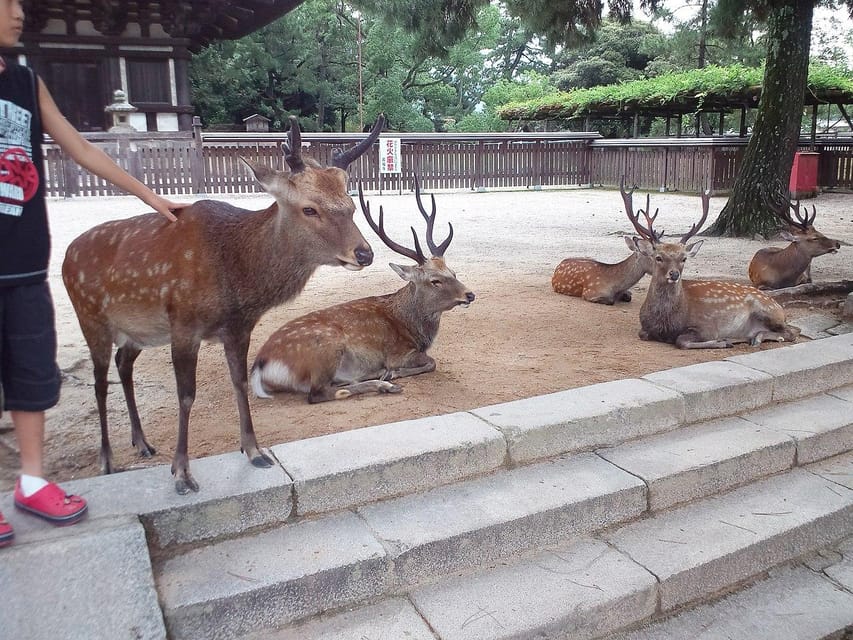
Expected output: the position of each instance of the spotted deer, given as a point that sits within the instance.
(702, 314)
(360, 346)
(777, 267)
(601, 282)
(143, 282)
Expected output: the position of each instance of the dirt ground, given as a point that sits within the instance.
(518, 339)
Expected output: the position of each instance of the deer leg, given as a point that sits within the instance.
(101, 366)
(324, 394)
(236, 344)
(419, 363)
(185, 360)
(125, 357)
(691, 340)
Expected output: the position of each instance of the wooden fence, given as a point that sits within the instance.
(196, 163)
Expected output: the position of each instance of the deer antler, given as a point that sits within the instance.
(706, 205)
(342, 159)
(648, 232)
(293, 147)
(417, 254)
(803, 222)
(437, 251)
(782, 212)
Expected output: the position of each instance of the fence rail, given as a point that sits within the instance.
(196, 163)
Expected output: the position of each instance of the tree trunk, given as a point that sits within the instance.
(766, 167)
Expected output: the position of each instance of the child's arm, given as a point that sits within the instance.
(90, 157)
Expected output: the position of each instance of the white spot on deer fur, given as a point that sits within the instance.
(188, 254)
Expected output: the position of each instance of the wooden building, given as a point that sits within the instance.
(87, 49)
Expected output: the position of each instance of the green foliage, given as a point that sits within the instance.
(688, 91)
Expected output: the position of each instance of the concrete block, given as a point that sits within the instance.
(581, 590)
(842, 393)
(716, 389)
(394, 619)
(583, 418)
(704, 459)
(359, 466)
(838, 469)
(815, 325)
(822, 426)
(234, 497)
(698, 549)
(842, 572)
(794, 604)
(85, 585)
(270, 579)
(472, 523)
(805, 368)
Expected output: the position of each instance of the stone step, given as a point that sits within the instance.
(418, 539)
(795, 603)
(590, 587)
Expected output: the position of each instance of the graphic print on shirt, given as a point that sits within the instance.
(18, 175)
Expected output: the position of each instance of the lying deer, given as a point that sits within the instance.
(775, 267)
(601, 282)
(701, 314)
(143, 282)
(359, 346)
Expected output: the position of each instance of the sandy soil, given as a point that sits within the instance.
(518, 339)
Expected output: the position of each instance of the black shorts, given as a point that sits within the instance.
(28, 370)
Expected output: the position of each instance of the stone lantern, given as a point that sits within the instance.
(120, 109)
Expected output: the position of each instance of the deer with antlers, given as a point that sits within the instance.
(602, 282)
(700, 314)
(140, 282)
(360, 346)
(776, 267)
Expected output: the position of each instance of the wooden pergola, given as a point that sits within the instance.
(718, 105)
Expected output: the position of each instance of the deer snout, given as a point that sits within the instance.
(673, 275)
(364, 255)
(470, 297)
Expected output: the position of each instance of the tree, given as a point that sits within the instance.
(762, 182)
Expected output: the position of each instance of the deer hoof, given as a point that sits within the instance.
(145, 450)
(390, 388)
(261, 460)
(184, 485)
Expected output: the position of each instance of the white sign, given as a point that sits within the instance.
(389, 155)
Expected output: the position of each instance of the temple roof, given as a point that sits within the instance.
(199, 21)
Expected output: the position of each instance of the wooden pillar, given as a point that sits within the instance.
(722, 122)
(814, 127)
(668, 122)
(743, 121)
(678, 134)
(197, 159)
(637, 125)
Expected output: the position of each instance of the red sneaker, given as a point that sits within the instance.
(7, 534)
(52, 503)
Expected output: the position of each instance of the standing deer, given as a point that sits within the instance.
(359, 346)
(601, 282)
(775, 267)
(702, 314)
(140, 282)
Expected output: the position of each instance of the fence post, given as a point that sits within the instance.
(197, 158)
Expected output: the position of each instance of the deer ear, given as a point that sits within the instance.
(644, 246)
(787, 235)
(406, 273)
(631, 241)
(693, 248)
(263, 174)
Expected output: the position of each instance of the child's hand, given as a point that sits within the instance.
(165, 207)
